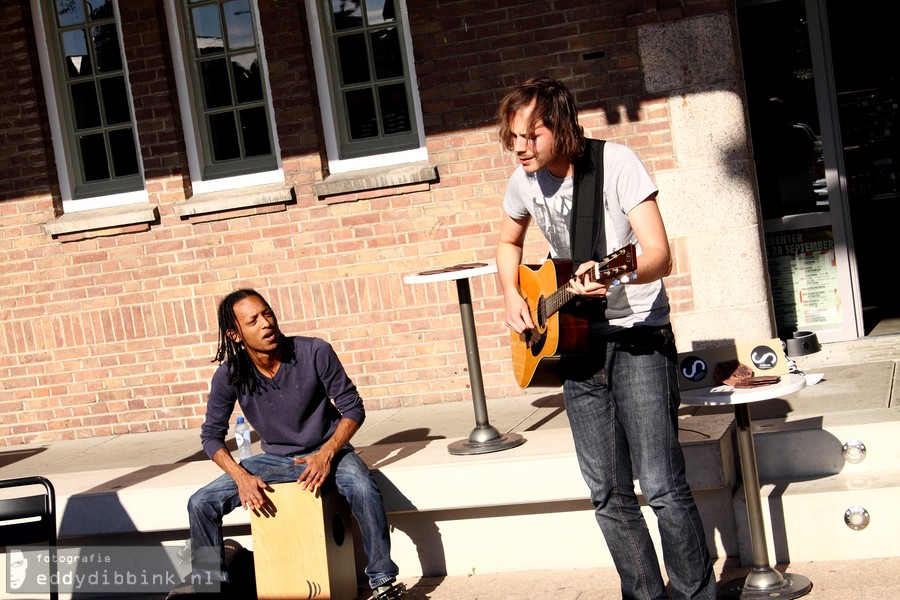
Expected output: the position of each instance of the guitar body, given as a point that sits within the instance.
(536, 353)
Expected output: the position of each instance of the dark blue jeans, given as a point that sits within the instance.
(351, 476)
(623, 411)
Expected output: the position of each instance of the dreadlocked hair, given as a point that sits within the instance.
(554, 105)
(241, 372)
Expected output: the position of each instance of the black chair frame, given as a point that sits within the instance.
(30, 519)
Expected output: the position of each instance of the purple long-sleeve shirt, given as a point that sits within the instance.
(294, 413)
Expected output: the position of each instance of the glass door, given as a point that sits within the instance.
(795, 148)
(866, 91)
(823, 94)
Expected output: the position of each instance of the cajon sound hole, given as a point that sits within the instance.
(338, 531)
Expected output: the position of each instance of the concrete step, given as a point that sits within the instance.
(519, 509)
(528, 508)
(814, 469)
(525, 508)
(806, 520)
(852, 442)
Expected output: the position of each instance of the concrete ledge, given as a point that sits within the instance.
(526, 508)
(415, 478)
(544, 469)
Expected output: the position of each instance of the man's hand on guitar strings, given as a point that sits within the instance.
(582, 284)
(518, 314)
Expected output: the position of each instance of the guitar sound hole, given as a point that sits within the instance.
(534, 341)
(535, 338)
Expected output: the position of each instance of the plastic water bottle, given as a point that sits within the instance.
(242, 436)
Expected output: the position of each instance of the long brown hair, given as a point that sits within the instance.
(554, 105)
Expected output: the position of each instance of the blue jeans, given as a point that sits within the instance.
(623, 411)
(351, 476)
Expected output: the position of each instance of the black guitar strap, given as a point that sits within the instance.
(586, 221)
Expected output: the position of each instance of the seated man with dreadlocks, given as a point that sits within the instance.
(295, 393)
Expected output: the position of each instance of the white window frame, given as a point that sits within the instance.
(64, 162)
(189, 116)
(326, 102)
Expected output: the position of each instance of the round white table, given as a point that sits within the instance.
(763, 581)
(484, 437)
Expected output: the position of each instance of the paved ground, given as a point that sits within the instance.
(846, 580)
(853, 580)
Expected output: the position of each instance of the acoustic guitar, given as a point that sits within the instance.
(537, 351)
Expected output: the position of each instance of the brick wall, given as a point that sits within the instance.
(112, 331)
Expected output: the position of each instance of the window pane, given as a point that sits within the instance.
(100, 150)
(69, 12)
(224, 137)
(106, 46)
(216, 88)
(347, 14)
(93, 157)
(208, 29)
(361, 114)
(101, 9)
(85, 105)
(386, 52)
(394, 109)
(247, 79)
(255, 131)
(78, 62)
(115, 100)
(231, 90)
(354, 59)
(124, 154)
(239, 24)
(380, 11)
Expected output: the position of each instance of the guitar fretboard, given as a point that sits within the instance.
(600, 272)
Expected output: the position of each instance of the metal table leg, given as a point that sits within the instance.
(485, 437)
(763, 581)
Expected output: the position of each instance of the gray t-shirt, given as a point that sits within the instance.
(626, 183)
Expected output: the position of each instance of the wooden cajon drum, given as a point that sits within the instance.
(306, 549)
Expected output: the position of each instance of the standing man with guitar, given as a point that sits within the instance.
(621, 394)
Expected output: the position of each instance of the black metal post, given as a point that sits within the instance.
(763, 581)
(485, 437)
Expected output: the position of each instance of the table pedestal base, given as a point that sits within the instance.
(763, 581)
(484, 439)
(767, 583)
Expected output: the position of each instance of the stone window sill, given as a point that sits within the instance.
(240, 199)
(103, 221)
(393, 176)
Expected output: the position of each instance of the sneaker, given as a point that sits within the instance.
(241, 571)
(389, 591)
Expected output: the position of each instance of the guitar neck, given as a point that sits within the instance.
(614, 265)
(557, 300)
